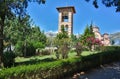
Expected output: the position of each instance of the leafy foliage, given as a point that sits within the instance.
(107, 3)
(62, 41)
(10, 9)
(8, 59)
(63, 34)
(57, 69)
(78, 47)
(87, 37)
(22, 35)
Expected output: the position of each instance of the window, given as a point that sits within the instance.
(66, 28)
(65, 18)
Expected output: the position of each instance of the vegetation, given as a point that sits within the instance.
(88, 39)
(107, 3)
(8, 58)
(51, 56)
(62, 42)
(79, 49)
(19, 38)
(9, 10)
(22, 39)
(60, 68)
(84, 39)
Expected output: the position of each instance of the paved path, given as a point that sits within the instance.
(109, 71)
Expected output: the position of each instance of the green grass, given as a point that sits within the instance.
(85, 53)
(70, 55)
(23, 59)
(57, 68)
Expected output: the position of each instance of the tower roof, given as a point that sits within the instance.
(95, 27)
(105, 34)
(67, 7)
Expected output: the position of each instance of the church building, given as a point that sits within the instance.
(103, 38)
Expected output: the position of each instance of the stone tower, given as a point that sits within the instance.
(66, 19)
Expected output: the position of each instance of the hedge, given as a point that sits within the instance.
(61, 68)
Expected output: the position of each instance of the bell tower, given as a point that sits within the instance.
(66, 19)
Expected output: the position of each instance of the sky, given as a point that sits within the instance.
(46, 16)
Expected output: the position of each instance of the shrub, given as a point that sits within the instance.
(38, 45)
(8, 58)
(78, 47)
(19, 48)
(24, 50)
(40, 51)
(59, 69)
(45, 52)
(57, 54)
(63, 49)
(30, 50)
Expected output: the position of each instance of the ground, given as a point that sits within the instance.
(49, 57)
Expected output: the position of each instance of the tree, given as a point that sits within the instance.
(85, 35)
(63, 33)
(62, 41)
(93, 43)
(8, 9)
(87, 38)
(78, 47)
(36, 37)
(23, 35)
(107, 3)
(74, 40)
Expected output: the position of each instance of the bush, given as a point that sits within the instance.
(8, 58)
(29, 50)
(63, 49)
(78, 47)
(22, 50)
(59, 69)
(42, 52)
(45, 52)
(19, 48)
(38, 45)
(111, 48)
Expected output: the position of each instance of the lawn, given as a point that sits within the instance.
(52, 56)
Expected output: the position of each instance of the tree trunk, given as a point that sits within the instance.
(1, 42)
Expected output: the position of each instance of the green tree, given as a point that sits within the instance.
(63, 33)
(37, 38)
(107, 3)
(78, 47)
(74, 39)
(85, 35)
(8, 9)
(88, 33)
(62, 41)
(16, 31)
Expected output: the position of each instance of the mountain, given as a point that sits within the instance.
(116, 38)
(115, 35)
(51, 34)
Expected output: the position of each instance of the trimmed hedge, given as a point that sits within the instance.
(43, 71)
(59, 69)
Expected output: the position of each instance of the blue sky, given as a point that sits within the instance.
(46, 16)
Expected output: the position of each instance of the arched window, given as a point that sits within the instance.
(66, 28)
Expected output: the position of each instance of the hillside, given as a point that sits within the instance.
(116, 38)
(115, 35)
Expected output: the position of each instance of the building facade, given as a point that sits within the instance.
(66, 19)
(103, 38)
